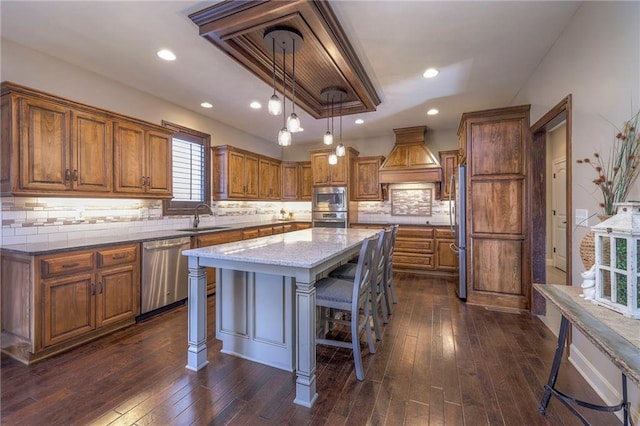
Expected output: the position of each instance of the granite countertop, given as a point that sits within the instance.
(615, 335)
(304, 249)
(34, 249)
(426, 224)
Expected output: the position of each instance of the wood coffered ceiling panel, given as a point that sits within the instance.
(326, 58)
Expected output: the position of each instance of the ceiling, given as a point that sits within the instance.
(485, 52)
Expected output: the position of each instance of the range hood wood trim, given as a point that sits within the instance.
(410, 160)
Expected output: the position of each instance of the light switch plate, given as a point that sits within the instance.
(582, 217)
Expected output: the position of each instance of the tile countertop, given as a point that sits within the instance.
(307, 248)
(34, 249)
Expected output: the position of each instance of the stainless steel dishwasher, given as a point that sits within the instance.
(164, 273)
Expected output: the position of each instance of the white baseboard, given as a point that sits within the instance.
(605, 390)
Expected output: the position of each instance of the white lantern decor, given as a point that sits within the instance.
(617, 246)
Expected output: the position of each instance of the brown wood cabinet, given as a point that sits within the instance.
(496, 144)
(446, 258)
(339, 174)
(297, 181)
(53, 302)
(367, 186)
(143, 161)
(212, 240)
(52, 146)
(413, 250)
(269, 179)
(449, 163)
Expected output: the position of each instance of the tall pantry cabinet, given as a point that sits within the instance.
(495, 144)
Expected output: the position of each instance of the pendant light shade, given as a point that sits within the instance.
(333, 159)
(293, 121)
(331, 93)
(328, 136)
(284, 137)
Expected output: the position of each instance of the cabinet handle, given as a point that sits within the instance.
(74, 176)
(93, 289)
(70, 265)
(100, 287)
(67, 176)
(143, 181)
(148, 181)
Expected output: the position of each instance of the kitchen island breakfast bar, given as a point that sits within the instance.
(265, 298)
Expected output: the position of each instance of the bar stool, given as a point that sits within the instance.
(348, 270)
(390, 289)
(351, 297)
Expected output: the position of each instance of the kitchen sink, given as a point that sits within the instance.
(203, 229)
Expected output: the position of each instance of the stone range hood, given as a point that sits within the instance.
(410, 160)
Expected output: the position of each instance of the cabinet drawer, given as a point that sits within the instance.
(263, 232)
(67, 264)
(415, 232)
(416, 262)
(278, 229)
(421, 246)
(288, 227)
(117, 256)
(250, 233)
(444, 233)
(218, 238)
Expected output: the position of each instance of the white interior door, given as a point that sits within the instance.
(559, 213)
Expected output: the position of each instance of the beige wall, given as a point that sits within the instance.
(597, 61)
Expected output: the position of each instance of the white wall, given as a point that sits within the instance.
(597, 60)
(30, 68)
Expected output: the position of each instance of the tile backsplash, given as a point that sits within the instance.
(27, 219)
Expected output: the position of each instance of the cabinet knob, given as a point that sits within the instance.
(143, 181)
(67, 176)
(74, 176)
(148, 182)
(93, 289)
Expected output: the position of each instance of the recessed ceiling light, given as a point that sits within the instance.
(255, 105)
(359, 121)
(167, 55)
(430, 73)
(206, 105)
(432, 111)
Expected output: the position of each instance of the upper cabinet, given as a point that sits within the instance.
(297, 181)
(449, 163)
(143, 161)
(55, 147)
(367, 185)
(325, 174)
(269, 179)
(243, 175)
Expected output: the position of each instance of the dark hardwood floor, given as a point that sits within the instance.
(440, 362)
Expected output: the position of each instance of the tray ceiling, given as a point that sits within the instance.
(326, 58)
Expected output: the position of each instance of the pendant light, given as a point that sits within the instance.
(274, 106)
(340, 149)
(284, 135)
(328, 136)
(289, 40)
(333, 159)
(293, 122)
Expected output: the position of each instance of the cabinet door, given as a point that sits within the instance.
(92, 153)
(366, 177)
(68, 307)
(290, 181)
(159, 167)
(447, 260)
(320, 168)
(449, 163)
(339, 173)
(265, 179)
(306, 181)
(45, 159)
(117, 295)
(251, 176)
(276, 181)
(236, 175)
(130, 158)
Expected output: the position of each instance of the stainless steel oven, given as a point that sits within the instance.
(329, 219)
(330, 199)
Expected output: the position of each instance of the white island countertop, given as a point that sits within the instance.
(307, 248)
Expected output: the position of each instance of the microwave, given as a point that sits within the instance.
(330, 199)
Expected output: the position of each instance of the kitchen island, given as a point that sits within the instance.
(265, 301)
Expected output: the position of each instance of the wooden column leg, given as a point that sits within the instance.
(553, 375)
(197, 306)
(305, 315)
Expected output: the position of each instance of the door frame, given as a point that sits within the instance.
(560, 112)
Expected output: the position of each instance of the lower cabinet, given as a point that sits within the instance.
(69, 297)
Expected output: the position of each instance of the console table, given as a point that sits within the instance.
(618, 337)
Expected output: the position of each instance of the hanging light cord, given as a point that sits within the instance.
(284, 87)
(293, 96)
(340, 117)
(273, 41)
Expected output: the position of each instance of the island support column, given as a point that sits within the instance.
(197, 305)
(306, 393)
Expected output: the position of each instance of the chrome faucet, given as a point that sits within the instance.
(196, 218)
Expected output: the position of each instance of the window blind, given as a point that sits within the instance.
(188, 171)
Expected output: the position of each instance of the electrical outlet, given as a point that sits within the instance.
(582, 217)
